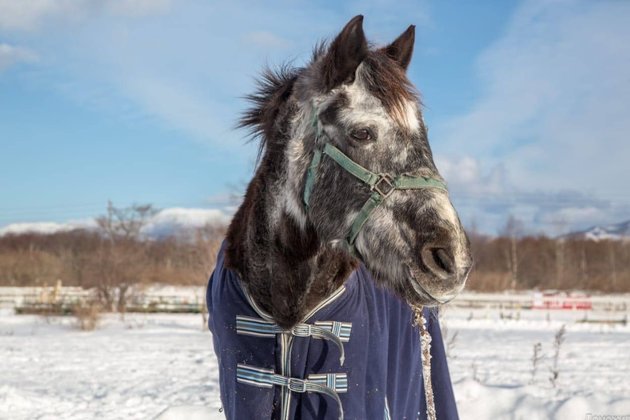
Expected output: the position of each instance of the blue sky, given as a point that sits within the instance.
(136, 100)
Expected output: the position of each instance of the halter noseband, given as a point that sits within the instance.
(381, 185)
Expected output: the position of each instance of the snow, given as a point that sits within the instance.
(177, 219)
(132, 369)
(163, 366)
(165, 222)
(491, 367)
(46, 228)
(617, 231)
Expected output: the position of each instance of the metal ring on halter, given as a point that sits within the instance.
(389, 183)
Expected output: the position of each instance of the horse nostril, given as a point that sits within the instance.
(439, 261)
(443, 260)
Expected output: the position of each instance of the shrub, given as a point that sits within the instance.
(87, 315)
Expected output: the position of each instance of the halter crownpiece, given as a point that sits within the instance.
(382, 185)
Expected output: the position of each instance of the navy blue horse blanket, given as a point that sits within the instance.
(269, 373)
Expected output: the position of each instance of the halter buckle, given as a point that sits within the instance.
(384, 185)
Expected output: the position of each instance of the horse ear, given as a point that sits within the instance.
(401, 49)
(345, 54)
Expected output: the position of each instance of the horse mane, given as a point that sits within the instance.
(273, 89)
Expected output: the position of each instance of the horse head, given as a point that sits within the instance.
(345, 143)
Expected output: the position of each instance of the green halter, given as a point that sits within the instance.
(381, 185)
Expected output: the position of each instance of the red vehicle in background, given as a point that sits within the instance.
(561, 300)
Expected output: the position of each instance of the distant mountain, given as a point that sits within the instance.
(618, 231)
(167, 222)
(181, 221)
(46, 228)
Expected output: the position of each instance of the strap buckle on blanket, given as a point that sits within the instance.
(297, 385)
(309, 330)
(330, 384)
(334, 331)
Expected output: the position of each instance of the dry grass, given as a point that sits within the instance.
(87, 316)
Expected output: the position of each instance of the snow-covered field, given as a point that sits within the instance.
(491, 366)
(132, 369)
(163, 366)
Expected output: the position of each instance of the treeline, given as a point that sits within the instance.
(115, 256)
(529, 262)
(84, 258)
(112, 258)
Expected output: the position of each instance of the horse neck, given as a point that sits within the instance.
(286, 268)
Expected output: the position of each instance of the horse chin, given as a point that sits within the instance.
(419, 295)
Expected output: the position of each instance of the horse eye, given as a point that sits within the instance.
(361, 134)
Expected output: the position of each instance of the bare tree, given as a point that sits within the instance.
(513, 229)
(583, 265)
(613, 266)
(560, 226)
(125, 223)
(121, 259)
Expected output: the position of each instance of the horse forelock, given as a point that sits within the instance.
(387, 82)
(378, 75)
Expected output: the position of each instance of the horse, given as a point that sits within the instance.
(344, 229)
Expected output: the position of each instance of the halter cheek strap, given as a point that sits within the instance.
(381, 185)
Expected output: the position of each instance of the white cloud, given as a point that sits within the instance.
(10, 55)
(465, 175)
(182, 107)
(581, 215)
(553, 108)
(188, 76)
(266, 39)
(487, 197)
(30, 15)
(27, 15)
(136, 8)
